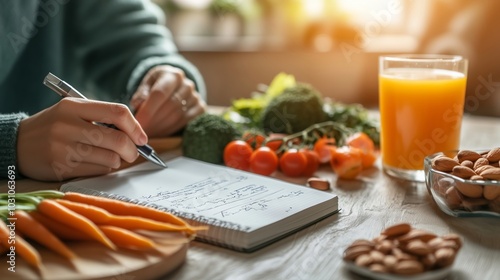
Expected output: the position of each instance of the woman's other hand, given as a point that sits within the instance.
(166, 101)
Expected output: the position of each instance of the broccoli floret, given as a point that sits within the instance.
(297, 108)
(206, 136)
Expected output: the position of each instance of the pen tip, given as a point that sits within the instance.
(158, 160)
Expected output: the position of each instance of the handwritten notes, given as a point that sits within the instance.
(216, 195)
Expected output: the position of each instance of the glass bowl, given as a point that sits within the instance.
(462, 197)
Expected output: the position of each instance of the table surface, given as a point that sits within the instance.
(367, 206)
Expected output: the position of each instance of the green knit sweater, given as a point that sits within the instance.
(102, 47)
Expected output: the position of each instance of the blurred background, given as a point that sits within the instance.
(333, 45)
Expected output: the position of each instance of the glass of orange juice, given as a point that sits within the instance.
(421, 102)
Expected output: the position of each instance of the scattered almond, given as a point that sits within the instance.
(318, 183)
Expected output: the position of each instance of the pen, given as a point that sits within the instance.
(65, 90)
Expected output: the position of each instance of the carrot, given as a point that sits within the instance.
(103, 217)
(119, 207)
(3, 248)
(68, 217)
(22, 247)
(127, 239)
(34, 230)
(59, 229)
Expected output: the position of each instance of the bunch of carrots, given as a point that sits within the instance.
(51, 217)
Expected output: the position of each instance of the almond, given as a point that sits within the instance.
(476, 177)
(443, 163)
(480, 162)
(416, 234)
(453, 198)
(470, 190)
(463, 172)
(467, 163)
(453, 237)
(491, 192)
(319, 184)
(429, 261)
(350, 254)
(444, 257)
(480, 169)
(467, 155)
(377, 267)
(377, 256)
(493, 155)
(364, 260)
(396, 230)
(362, 242)
(385, 246)
(439, 242)
(390, 261)
(491, 173)
(408, 267)
(418, 247)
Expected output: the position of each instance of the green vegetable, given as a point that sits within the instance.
(247, 111)
(294, 110)
(353, 116)
(206, 136)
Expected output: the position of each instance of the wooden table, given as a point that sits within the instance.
(368, 206)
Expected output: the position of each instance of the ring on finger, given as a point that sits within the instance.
(183, 102)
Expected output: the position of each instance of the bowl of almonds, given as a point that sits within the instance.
(403, 252)
(465, 183)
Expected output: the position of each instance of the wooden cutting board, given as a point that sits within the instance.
(96, 262)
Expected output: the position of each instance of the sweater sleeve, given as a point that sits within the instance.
(8, 133)
(117, 41)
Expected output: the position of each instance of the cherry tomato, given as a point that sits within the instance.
(363, 142)
(274, 144)
(323, 147)
(346, 162)
(274, 141)
(293, 163)
(312, 162)
(263, 161)
(254, 139)
(237, 154)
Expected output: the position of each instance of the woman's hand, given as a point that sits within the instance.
(62, 141)
(166, 101)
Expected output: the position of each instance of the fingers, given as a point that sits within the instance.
(83, 170)
(116, 143)
(105, 112)
(168, 101)
(161, 91)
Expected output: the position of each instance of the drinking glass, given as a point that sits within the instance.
(421, 102)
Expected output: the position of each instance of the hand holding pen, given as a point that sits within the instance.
(62, 141)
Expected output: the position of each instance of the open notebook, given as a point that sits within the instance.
(244, 211)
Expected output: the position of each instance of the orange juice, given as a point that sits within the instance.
(420, 114)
